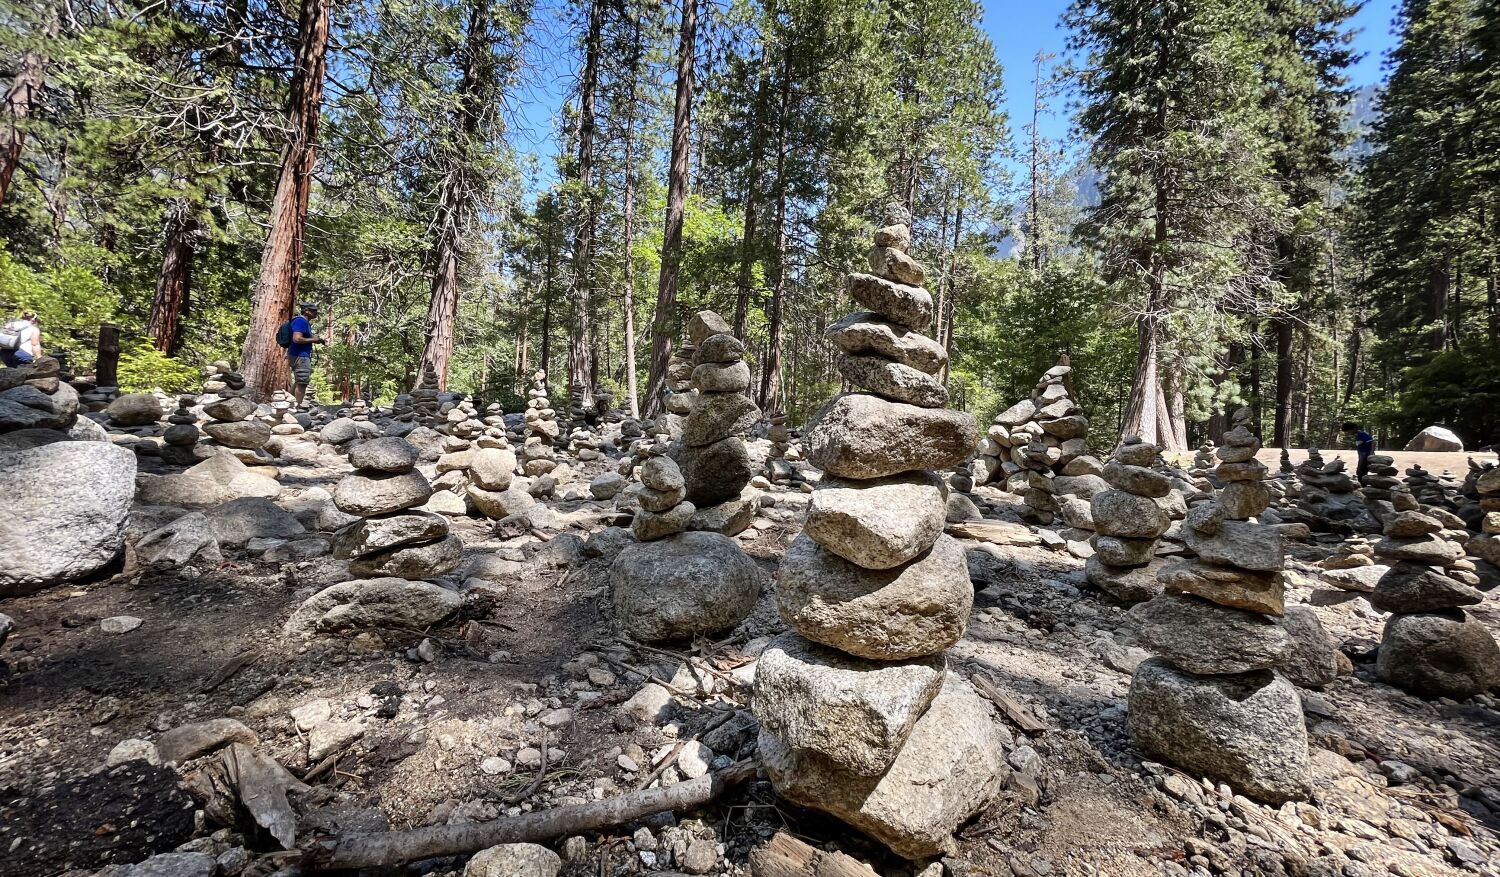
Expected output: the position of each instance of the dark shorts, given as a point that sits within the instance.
(301, 367)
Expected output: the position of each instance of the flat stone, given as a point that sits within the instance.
(853, 713)
(1409, 525)
(1204, 638)
(1226, 585)
(1312, 656)
(499, 504)
(1243, 729)
(190, 741)
(1409, 587)
(371, 535)
(862, 436)
(717, 416)
(378, 494)
(1017, 414)
(238, 521)
(230, 409)
(247, 434)
(919, 608)
(1239, 543)
(1431, 550)
(422, 561)
(892, 380)
(952, 766)
(1137, 480)
(878, 523)
(648, 526)
(893, 264)
(373, 603)
(866, 333)
(910, 306)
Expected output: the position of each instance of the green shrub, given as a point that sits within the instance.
(144, 368)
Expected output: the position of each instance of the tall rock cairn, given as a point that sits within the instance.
(1128, 523)
(1430, 647)
(1040, 436)
(391, 538)
(711, 451)
(537, 454)
(859, 716)
(1213, 702)
(181, 438)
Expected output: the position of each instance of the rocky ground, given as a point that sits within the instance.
(530, 701)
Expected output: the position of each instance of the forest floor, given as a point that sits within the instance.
(1403, 786)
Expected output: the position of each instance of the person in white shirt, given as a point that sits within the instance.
(29, 345)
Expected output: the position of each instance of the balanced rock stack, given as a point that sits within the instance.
(1034, 439)
(711, 451)
(1212, 702)
(1203, 461)
(284, 421)
(672, 584)
(1327, 496)
(1383, 492)
(181, 436)
(232, 424)
(778, 471)
(865, 722)
(679, 398)
(1128, 521)
(542, 430)
(1430, 647)
(426, 401)
(218, 377)
(35, 397)
(391, 538)
(1486, 486)
(1428, 488)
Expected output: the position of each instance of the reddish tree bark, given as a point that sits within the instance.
(583, 236)
(23, 91)
(677, 179)
(262, 360)
(174, 283)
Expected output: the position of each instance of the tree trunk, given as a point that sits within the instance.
(1281, 325)
(1437, 279)
(1354, 344)
(107, 359)
(770, 375)
(24, 89)
(262, 361)
(1141, 416)
(748, 248)
(551, 272)
(174, 283)
(583, 236)
(671, 246)
(633, 71)
(952, 279)
(456, 203)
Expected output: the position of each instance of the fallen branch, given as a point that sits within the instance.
(1012, 708)
(671, 758)
(536, 781)
(399, 847)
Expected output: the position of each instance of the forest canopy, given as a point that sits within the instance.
(1241, 225)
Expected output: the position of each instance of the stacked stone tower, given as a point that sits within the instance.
(537, 454)
(181, 437)
(1035, 439)
(391, 538)
(711, 451)
(1431, 647)
(1212, 701)
(1128, 522)
(859, 716)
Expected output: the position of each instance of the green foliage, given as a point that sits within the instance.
(144, 368)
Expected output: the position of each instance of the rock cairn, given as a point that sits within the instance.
(232, 424)
(1203, 461)
(672, 584)
(537, 454)
(778, 470)
(424, 399)
(859, 716)
(711, 450)
(1430, 647)
(1327, 496)
(181, 437)
(35, 397)
(1128, 522)
(679, 398)
(1486, 487)
(1212, 702)
(391, 538)
(1429, 489)
(1033, 440)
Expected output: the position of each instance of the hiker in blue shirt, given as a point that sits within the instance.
(1364, 446)
(299, 352)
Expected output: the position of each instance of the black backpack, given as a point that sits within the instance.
(284, 334)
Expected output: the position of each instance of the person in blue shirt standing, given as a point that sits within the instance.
(299, 352)
(1364, 446)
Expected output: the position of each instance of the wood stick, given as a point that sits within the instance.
(386, 848)
(681, 745)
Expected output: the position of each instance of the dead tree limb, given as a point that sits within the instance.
(399, 847)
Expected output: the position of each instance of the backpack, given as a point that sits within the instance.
(10, 334)
(283, 334)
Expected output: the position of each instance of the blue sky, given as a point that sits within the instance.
(1018, 29)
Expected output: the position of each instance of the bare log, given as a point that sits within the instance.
(399, 847)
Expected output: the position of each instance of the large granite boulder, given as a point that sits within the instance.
(373, 603)
(1245, 729)
(134, 409)
(70, 502)
(1438, 654)
(881, 523)
(952, 766)
(862, 436)
(1436, 438)
(853, 713)
(918, 608)
(681, 586)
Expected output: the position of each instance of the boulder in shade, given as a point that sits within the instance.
(1245, 729)
(1204, 637)
(1438, 654)
(681, 586)
(373, 603)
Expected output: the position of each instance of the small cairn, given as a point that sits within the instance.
(711, 451)
(182, 435)
(35, 397)
(1486, 487)
(1212, 702)
(1428, 488)
(1328, 497)
(233, 424)
(1033, 440)
(859, 716)
(537, 454)
(391, 538)
(284, 421)
(1203, 461)
(679, 398)
(672, 583)
(1430, 647)
(425, 399)
(1128, 521)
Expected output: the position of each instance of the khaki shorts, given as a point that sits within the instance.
(301, 369)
